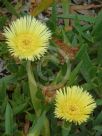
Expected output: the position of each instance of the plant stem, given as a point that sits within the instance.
(46, 131)
(66, 128)
(33, 89)
(35, 101)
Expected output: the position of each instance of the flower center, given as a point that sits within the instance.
(26, 42)
(72, 108)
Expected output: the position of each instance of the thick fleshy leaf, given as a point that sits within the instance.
(8, 120)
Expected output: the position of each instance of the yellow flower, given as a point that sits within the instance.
(27, 38)
(73, 104)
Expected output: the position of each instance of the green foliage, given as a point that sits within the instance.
(8, 120)
(85, 70)
(35, 130)
(96, 30)
(10, 7)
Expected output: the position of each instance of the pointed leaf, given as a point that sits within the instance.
(35, 131)
(8, 120)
